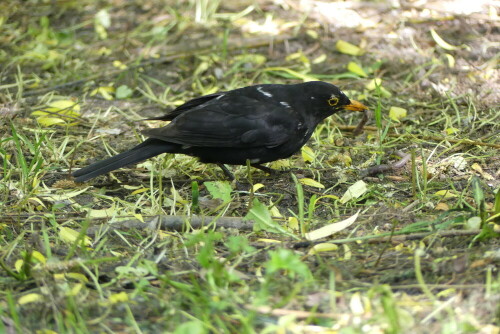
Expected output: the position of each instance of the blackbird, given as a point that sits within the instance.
(259, 123)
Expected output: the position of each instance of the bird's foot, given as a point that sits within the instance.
(273, 172)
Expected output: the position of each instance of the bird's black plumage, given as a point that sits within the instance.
(260, 123)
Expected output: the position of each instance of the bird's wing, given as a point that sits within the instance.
(244, 122)
(186, 106)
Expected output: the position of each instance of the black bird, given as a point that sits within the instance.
(260, 123)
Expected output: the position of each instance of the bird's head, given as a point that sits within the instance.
(330, 98)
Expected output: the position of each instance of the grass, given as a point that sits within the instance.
(420, 257)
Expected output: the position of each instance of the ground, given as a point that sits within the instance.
(413, 250)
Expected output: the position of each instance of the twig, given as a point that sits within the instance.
(176, 223)
(422, 235)
(397, 238)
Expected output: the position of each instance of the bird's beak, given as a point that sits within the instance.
(355, 106)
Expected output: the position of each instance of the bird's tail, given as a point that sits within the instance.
(148, 149)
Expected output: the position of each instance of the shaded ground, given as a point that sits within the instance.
(437, 60)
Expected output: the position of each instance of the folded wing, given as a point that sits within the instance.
(232, 123)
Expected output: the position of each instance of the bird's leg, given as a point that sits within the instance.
(226, 171)
(231, 177)
(265, 169)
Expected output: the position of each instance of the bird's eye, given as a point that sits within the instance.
(333, 101)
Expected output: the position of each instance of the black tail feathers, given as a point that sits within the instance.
(148, 149)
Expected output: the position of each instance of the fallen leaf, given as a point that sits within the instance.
(441, 42)
(312, 183)
(30, 298)
(356, 69)
(323, 247)
(397, 113)
(348, 48)
(330, 229)
(354, 191)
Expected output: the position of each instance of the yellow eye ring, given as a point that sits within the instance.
(333, 101)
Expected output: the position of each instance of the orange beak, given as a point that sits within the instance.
(356, 106)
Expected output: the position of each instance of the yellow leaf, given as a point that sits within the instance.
(303, 77)
(70, 236)
(104, 51)
(257, 186)
(280, 164)
(297, 56)
(30, 298)
(49, 121)
(293, 223)
(308, 154)
(64, 104)
(451, 60)
(348, 48)
(441, 42)
(397, 113)
(19, 265)
(256, 59)
(330, 229)
(139, 191)
(323, 247)
(442, 207)
(129, 187)
(384, 92)
(117, 254)
(312, 33)
(269, 241)
(354, 191)
(102, 213)
(77, 276)
(445, 194)
(119, 65)
(275, 212)
(38, 256)
(327, 196)
(320, 59)
(40, 112)
(36, 201)
(138, 216)
(101, 31)
(475, 166)
(356, 304)
(59, 277)
(446, 293)
(119, 297)
(54, 112)
(373, 84)
(35, 84)
(356, 69)
(75, 290)
(310, 182)
(400, 247)
(347, 252)
(64, 196)
(48, 116)
(105, 92)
